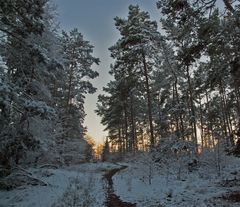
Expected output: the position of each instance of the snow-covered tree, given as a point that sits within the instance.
(22, 78)
(206, 50)
(35, 61)
(78, 61)
(135, 54)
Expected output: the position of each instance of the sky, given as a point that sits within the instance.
(94, 19)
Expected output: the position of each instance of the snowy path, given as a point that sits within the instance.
(112, 198)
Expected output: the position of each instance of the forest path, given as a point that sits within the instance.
(112, 198)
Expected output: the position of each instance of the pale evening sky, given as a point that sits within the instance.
(94, 19)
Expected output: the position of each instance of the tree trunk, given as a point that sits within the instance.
(119, 140)
(192, 109)
(123, 138)
(178, 102)
(201, 123)
(175, 114)
(126, 126)
(133, 141)
(210, 140)
(226, 115)
(152, 140)
(69, 88)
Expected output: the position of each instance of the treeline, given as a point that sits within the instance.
(44, 75)
(180, 82)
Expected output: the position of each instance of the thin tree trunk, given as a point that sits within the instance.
(163, 132)
(126, 126)
(123, 138)
(211, 142)
(201, 122)
(192, 110)
(69, 88)
(119, 140)
(152, 140)
(228, 117)
(224, 116)
(175, 114)
(178, 102)
(133, 141)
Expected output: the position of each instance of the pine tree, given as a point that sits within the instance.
(204, 44)
(21, 80)
(138, 48)
(78, 62)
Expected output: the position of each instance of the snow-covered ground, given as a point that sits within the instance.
(81, 185)
(144, 182)
(147, 186)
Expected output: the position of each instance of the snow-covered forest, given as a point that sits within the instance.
(171, 109)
